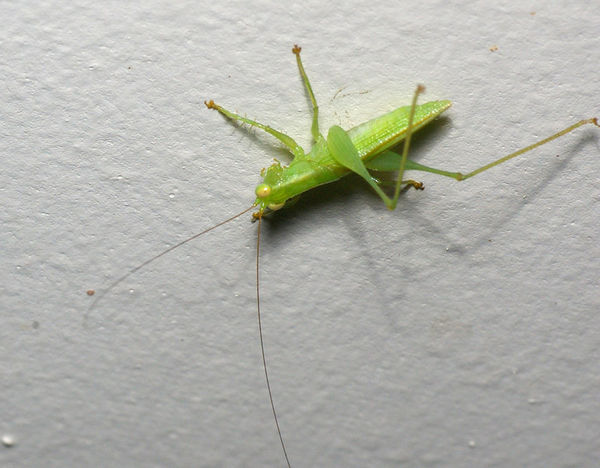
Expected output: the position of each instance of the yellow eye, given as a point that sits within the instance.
(263, 191)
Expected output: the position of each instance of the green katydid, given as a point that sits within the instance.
(358, 150)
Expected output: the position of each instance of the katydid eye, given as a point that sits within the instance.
(263, 191)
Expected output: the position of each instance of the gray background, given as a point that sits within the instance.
(462, 329)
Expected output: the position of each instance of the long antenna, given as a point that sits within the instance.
(156, 257)
(262, 344)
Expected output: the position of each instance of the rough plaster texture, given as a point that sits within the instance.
(461, 330)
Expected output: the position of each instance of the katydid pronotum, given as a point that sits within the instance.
(358, 150)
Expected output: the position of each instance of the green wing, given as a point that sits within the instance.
(345, 154)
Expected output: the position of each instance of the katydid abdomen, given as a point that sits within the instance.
(386, 131)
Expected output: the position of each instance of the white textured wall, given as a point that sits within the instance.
(461, 330)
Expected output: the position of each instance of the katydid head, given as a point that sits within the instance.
(268, 195)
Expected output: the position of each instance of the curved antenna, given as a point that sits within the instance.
(262, 344)
(156, 257)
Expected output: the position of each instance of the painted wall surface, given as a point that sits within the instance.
(461, 330)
